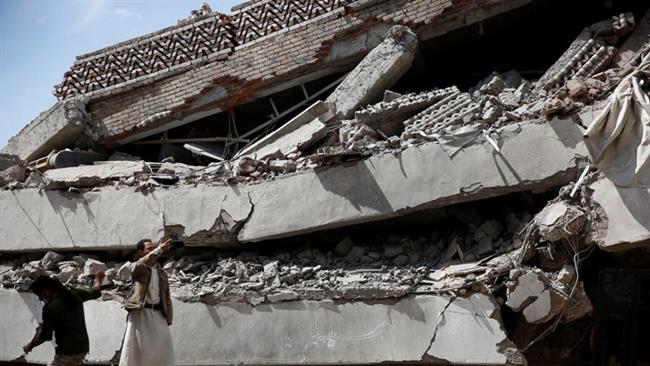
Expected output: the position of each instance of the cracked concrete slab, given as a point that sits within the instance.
(311, 332)
(473, 320)
(116, 218)
(294, 332)
(21, 314)
(533, 157)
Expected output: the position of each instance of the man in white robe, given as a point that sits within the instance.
(147, 341)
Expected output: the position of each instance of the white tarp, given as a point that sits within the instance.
(619, 138)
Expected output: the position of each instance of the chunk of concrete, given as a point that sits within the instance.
(8, 160)
(14, 173)
(54, 129)
(51, 259)
(299, 133)
(378, 71)
(92, 266)
(531, 294)
(91, 175)
(560, 220)
(627, 213)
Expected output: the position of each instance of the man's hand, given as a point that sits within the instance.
(99, 278)
(27, 348)
(166, 245)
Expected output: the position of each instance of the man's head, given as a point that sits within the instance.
(45, 287)
(144, 247)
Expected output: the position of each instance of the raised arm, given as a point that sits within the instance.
(85, 294)
(150, 259)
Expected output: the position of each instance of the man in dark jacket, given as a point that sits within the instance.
(63, 317)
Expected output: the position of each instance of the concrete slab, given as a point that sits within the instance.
(56, 128)
(289, 333)
(533, 157)
(378, 71)
(116, 218)
(310, 332)
(21, 314)
(628, 215)
(91, 175)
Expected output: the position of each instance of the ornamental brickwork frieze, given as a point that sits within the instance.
(181, 46)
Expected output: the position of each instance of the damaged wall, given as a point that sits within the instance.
(128, 107)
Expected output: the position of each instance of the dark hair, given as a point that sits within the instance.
(141, 243)
(47, 283)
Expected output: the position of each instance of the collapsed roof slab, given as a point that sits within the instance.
(54, 129)
(534, 156)
(291, 333)
(627, 210)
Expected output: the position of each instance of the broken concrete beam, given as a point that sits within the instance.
(533, 156)
(21, 313)
(378, 71)
(634, 42)
(91, 175)
(627, 211)
(299, 133)
(54, 129)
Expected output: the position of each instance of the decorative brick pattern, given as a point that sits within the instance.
(178, 46)
(128, 108)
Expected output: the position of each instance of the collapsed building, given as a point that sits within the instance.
(354, 182)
